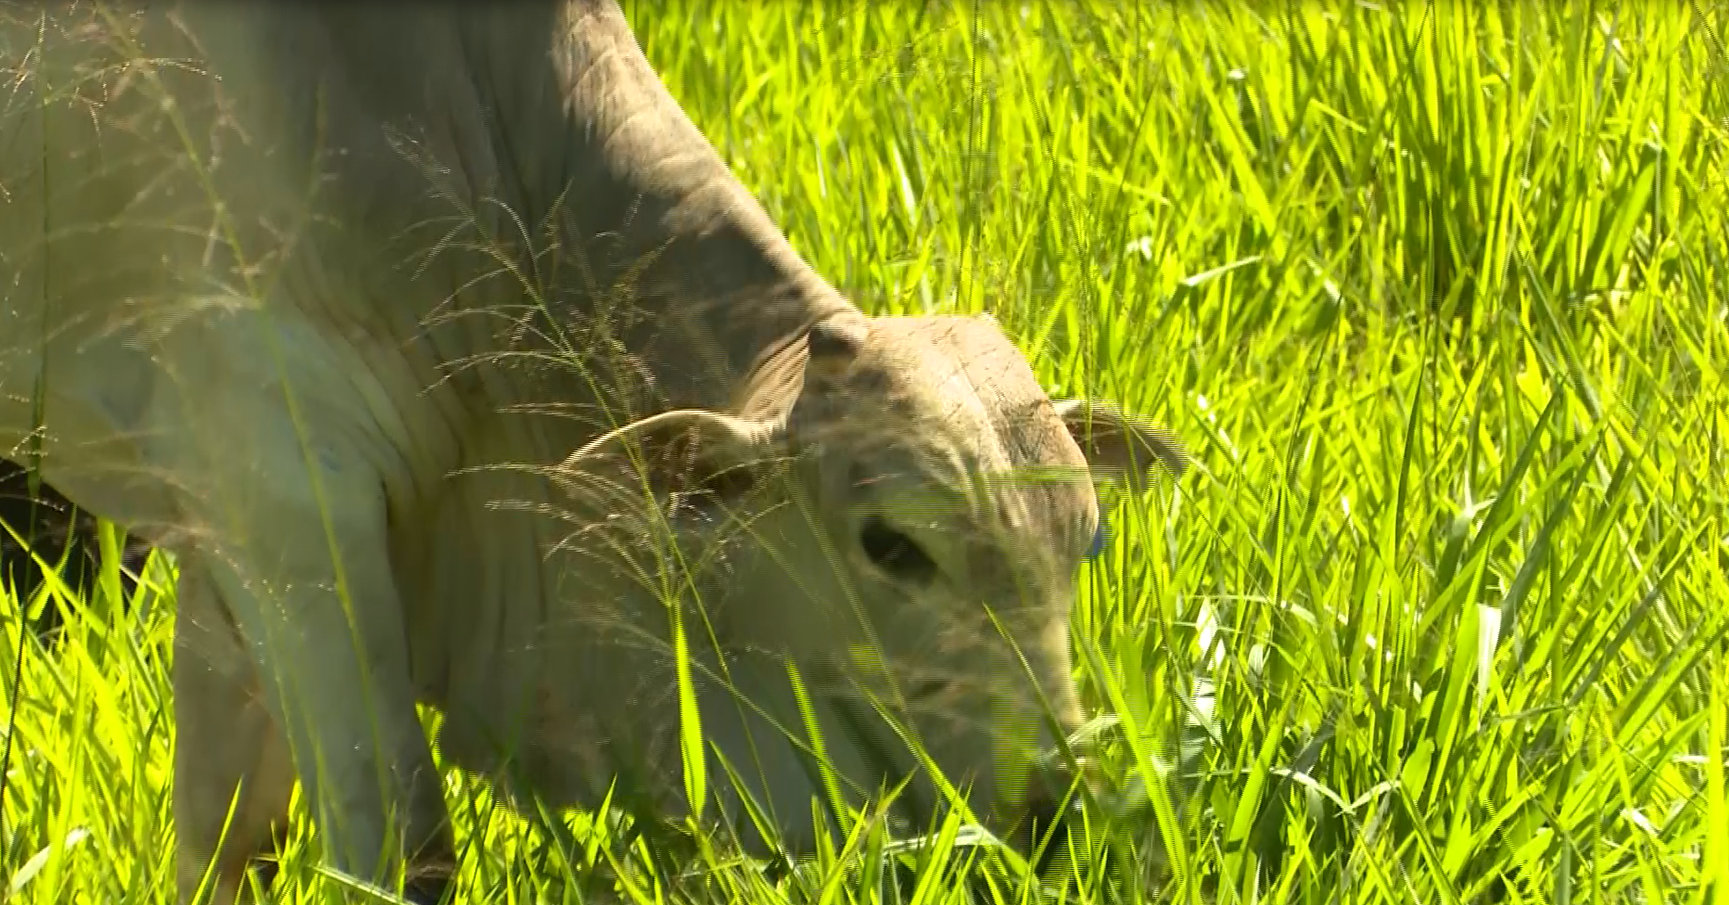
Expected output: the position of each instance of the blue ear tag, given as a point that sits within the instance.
(1101, 537)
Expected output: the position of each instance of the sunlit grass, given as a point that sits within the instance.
(1436, 295)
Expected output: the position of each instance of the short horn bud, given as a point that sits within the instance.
(836, 340)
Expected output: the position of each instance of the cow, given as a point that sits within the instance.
(455, 368)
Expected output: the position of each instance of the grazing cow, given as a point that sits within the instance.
(456, 368)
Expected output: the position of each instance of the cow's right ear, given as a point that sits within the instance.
(1118, 445)
(682, 450)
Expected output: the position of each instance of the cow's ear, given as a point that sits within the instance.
(1121, 446)
(680, 451)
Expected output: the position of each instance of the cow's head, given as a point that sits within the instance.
(897, 510)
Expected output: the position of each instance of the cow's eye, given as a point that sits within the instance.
(895, 553)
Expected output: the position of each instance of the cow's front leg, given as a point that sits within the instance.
(233, 775)
(296, 551)
(329, 646)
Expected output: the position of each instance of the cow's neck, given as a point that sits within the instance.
(545, 122)
(726, 286)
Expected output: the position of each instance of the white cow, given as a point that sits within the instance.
(323, 297)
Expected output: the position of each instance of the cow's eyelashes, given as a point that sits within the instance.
(896, 554)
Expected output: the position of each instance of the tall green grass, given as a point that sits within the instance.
(1438, 294)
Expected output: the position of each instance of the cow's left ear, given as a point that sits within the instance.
(1120, 446)
(679, 451)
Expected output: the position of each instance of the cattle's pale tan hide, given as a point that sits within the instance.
(456, 369)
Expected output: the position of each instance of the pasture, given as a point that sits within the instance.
(1437, 296)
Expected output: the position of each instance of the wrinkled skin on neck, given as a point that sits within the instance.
(531, 128)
